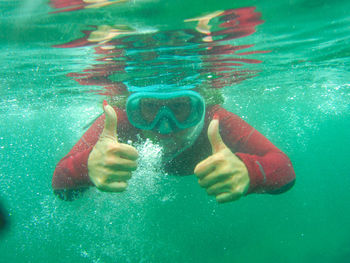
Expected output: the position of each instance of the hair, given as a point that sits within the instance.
(211, 96)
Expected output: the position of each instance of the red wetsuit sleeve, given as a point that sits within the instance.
(72, 171)
(270, 170)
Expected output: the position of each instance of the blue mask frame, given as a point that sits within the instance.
(165, 121)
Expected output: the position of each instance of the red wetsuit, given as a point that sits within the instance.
(270, 170)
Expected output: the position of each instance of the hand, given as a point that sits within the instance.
(222, 174)
(110, 163)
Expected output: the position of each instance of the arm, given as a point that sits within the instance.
(71, 173)
(98, 159)
(242, 161)
(269, 169)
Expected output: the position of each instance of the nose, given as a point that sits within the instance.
(165, 126)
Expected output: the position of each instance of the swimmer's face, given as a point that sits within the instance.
(173, 136)
(172, 143)
(172, 120)
(165, 113)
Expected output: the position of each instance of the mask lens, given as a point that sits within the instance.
(180, 107)
(149, 108)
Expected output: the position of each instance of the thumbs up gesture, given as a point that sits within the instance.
(110, 163)
(222, 174)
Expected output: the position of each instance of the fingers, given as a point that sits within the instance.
(225, 187)
(110, 127)
(121, 157)
(230, 185)
(219, 188)
(214, 136)
(221, 180)
(124, 150)
(113, 181)
(224, 190)
(202, 170)
(121, 164)
(228, 197)
(119, 176)
(206, 166)
(213, 178)
(113, 187)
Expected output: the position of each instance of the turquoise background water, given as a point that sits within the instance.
(299, 100)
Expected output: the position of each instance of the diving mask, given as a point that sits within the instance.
(165, 112)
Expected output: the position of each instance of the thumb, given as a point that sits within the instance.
(214, 136)
(110, 128)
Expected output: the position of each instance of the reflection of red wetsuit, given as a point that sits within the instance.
(270, 170)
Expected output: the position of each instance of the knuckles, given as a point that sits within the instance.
(99, 182)
(210, 191)
(113, 148)
(122, 187)
(218, 158)
(133, 166)
(201, 183)
(110, 160)
(103, 185)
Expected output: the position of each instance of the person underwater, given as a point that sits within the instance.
(229, 157)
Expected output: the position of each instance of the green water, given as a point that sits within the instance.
(299, 99)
